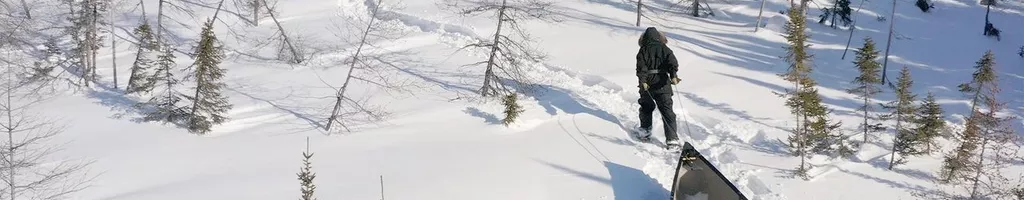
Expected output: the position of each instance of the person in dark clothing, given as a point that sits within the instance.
(656, 68)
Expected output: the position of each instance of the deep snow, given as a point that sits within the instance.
(572, 141)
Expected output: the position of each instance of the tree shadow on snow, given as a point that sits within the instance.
(488, 117)
(553, 99)
(773, 87)
(123, 105)
(627, 183)
(914, 188)
(882, 162)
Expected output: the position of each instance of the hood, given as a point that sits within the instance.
(652, 36)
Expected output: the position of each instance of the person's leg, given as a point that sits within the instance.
(647, 107)
(665, 108)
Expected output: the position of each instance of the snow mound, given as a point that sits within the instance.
(776, 23)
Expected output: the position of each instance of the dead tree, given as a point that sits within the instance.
(369, 64)
(510, 50)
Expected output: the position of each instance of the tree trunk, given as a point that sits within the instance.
(866, 118)
(895, 138)
(94, 41)
(11, 184)
(494, 50)
(696, 8)
(113, 49)
(295, 53)
(759, 11)
(834, 14)
(853, 26)
(888, 43)
(200, 70)
(160, 24)
(639, 6)
(256, 13)
(352, 67)
(28, 12)
(977, 169)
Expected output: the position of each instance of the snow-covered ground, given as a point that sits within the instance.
(571, 143)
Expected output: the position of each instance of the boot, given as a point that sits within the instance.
(673, 145)
(644, 135)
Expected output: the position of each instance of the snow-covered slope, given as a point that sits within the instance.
(571, 143)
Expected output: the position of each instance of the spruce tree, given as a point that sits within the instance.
(512, 109)
(815, 133)
(929, 121)
(956, 165)
(140, 80)
(306, 176)
(996, 141)
(798, 71)
(905, 142)
(208, 104)
(165, 104)
(866, 84)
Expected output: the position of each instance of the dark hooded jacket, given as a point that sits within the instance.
(655, 55)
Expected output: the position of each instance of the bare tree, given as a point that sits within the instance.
(370, 64)
(510, 52)
(26, 164)
(297, 57)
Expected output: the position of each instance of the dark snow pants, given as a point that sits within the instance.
(663, 103)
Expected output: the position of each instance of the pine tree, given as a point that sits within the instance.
(905, 141)
(306, 176)
(930, 122)
(957, 165)
(512, 109)
(208, 105)
(165, 105)
(139, 80)
(866, 84)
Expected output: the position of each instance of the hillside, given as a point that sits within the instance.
(439, 140)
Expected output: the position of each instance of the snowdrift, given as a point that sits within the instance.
(695, 176)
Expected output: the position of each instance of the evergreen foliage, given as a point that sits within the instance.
(208, 103)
